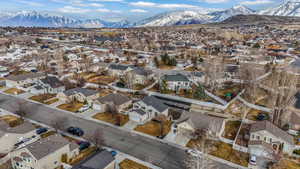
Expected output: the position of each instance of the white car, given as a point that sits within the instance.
(84, 108)
(252, 160)
(194, 153)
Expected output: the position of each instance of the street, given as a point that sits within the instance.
(151, 150)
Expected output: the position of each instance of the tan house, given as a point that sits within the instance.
(23, 79)
(120, 101)
(79, 94)
(100, 160)
(46, 153)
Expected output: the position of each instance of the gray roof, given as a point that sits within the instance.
(48, 145)
(177, 77)
(22, 77)
(53, 81)
(268, 126)
(199, 120)
(139, 111)
(115, 98)
(155, 103)
(23, 128)
(119, 66)
(142, 72)
(97, 161)
(84, 91)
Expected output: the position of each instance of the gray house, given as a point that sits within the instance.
(175, 82)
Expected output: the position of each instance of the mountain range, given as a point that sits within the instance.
(180, 17)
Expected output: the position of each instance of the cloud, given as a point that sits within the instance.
(104, 10)
(257, 2)
(30, 3)
(157, 5)
(71, 9)
(138, 11)
(215, 1)
(95, 5)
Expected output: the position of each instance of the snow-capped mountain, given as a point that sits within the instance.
(220, 16)
(40, 19)
(287, 8)
(193, 17)
(175, 18)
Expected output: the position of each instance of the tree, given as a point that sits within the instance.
(59, 123)
(96, 138)
(21, 109)
(112, 109)
(282, 90)
(156, 61)
(200, 92)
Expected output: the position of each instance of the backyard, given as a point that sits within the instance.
(101, 79)
(231, 129)
(43, 98)
(115, 119)
(228, 92)
(153, 128)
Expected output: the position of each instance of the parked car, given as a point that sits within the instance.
(252, 160)
(83, 108)
(41, 130)
(113, 153)
(75, 131)
(84, 145)
(262, 116)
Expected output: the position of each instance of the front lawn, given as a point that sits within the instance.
(101, 79)
(112, 119)
(82, 155)
(129, 164)
(153, 128)
(11, 120)
(72, 107)
(253, 114)
(231, 129)
(42, 97)
(14, 91)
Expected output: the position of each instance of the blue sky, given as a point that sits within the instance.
(125, 8)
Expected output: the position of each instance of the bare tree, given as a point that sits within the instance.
(21, 109)
(112, 108)
(96, 138)
(214, 72)
(59, 123)
(282, 89)
(129, 79)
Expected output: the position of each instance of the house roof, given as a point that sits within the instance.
(119, 66)
(139, 111)
(268, 126)
(155, 103)
(22, 77)
(117, 99)
(142, 72)
(48, 145)
(97, 161)
(53, 81)
(177, 77)
(84, 91)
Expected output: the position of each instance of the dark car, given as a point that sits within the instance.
(41, 130)
(84, 145)
(75, 131)
(262, 116)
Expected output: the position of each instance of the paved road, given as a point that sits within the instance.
(158, 153)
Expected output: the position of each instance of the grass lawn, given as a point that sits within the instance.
(14, 91)
(138, 87)
(226, 152)
(129, 164)
(101, 79)
(109, 118)
(82, 155)
(51, 101)
(154, 128)
(47, 134)
(286, 164)
(234, 90)
(231, 129)
(11, 120)
(42, 97)
(72, 107)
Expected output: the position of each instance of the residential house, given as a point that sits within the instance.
(49, 84)
(141, 76)
(79, 94)
(294, 123)
(46, 153)
(189, 122)
(22, 80)
(118, 70)
(148, 108)
(120, 101)
(100, 160)
(175, 82)
(266, 139)
(9, 136)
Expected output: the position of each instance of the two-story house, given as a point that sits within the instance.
(79, 94)
(49, 84)
(22, 80)
(175, 82)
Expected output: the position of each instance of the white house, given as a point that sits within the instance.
(118, 69)
(23, 79)
(47, 153)
(175, 82)
(49, 84)
(266, 139)
(146, 109)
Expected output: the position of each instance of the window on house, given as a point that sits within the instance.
(265, 138)
(257, 137)
(253, 136)
(270, 140)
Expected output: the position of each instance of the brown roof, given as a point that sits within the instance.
(22, 77)
(268, 126)
(117, 99)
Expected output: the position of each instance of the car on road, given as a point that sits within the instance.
(194, 153)
(75, 131)
(41, 130)
(84, 145)
(252, 160)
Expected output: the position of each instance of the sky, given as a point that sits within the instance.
(125, 9)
